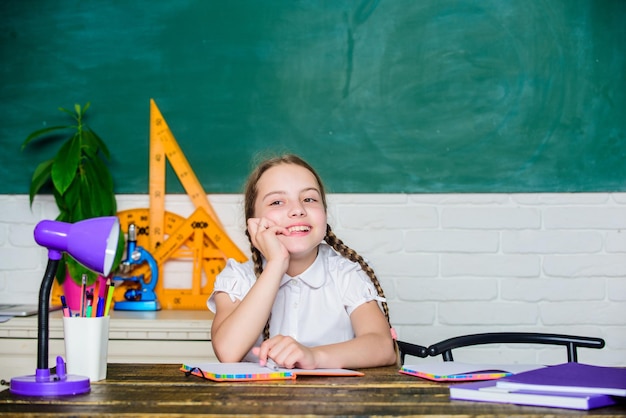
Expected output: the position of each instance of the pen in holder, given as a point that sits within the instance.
(87, 346)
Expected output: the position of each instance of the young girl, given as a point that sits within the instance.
(305, 300)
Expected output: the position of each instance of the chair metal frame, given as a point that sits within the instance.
(445, 347)
(411, 350)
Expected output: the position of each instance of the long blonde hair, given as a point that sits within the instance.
(250, 196)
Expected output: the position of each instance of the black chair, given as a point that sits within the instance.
(411, 350)
(571, 342)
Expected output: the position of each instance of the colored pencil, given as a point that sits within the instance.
(109, 296)
(96, 298)
(83, 295)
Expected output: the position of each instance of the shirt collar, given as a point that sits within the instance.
(315, 275)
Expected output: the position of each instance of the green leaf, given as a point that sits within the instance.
(97, 188)
(64, 215)
(71, 199)
(66, 164)
(103, 174)
(78, 213)
(105, 204)
(88, 199)
(41, 176)
(88, 147)
(41, 132)
(107, 197)
(100, 143)
(72, 115)
(96, 196)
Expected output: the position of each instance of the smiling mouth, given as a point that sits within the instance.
(299, 228)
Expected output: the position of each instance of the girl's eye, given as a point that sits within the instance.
(310, 200)
(275, 203)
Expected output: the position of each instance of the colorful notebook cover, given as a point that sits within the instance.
(239, 372)
(490, 392)
(571, 377)
(451, 371)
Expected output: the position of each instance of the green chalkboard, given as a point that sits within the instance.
(381, 96)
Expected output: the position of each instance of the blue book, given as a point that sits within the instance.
(488, 391)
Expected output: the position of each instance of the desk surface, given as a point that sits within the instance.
(151, 389)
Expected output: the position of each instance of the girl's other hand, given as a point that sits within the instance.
(286, 352)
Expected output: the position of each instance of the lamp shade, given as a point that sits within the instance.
(92, 242)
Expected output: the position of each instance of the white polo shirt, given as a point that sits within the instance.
(314, 307)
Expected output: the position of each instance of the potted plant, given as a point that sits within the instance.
(81, 183)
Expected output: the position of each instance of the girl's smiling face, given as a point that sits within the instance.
(289, 196)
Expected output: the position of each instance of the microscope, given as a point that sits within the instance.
(141, 295)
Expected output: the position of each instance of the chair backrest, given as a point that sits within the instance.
(571, 342)
(411, 350)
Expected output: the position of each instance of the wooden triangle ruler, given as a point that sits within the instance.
(199, 238)
(163, 146)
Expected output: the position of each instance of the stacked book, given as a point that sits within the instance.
(568, 385)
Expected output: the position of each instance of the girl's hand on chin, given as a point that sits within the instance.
(264, 235)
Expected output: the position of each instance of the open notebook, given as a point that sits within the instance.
(450, 371)
(232, 372)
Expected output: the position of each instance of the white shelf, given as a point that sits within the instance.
(167, 336)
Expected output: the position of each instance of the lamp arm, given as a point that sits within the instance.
(44, 312)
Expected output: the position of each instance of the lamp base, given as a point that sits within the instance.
(44, 383)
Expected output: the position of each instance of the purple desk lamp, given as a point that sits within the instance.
(93, 243)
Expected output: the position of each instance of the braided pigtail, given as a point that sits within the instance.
(338, 245)
(257, 259)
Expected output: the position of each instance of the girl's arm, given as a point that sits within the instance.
(237, 325)
(372, 345)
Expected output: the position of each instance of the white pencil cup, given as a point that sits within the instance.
(87, 346)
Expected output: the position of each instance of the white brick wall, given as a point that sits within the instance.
(451, 264)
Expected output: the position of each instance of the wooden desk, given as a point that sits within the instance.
(152, 389)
